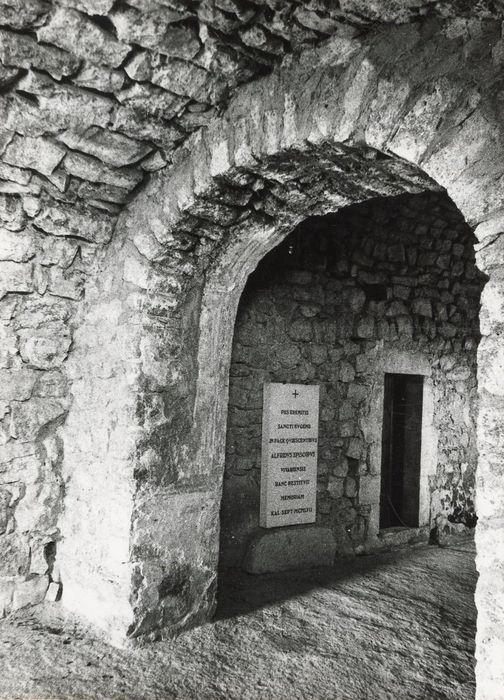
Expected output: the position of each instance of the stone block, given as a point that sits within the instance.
(289, 355)
(53, 592)
(15, 558)
(24, 52)
(346, 372)
(15, 277)
(91, 7)
(65, 220)
(301, 330)
(11, 172)
(60, 106)
(290, 549)
(74, 32)
(310, 19)
(7, 586)
(354, 449)
(155, 30)
(396, 253)
(89, 168)
(350, 487)
(47, 347)
(111, 148)
(16, 246)
(28, 417)
(369, 489)
(101, 78)
(23, 14)
(36, 153)
(16, 384)
(365, 327)
(357, 393)
(404, 326)
(153, 162)
(397, 308)
(422, 307)
(336, 487)
(11, 212)
(30, 592)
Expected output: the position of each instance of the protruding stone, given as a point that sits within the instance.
(65, 220)
(30, 592)
(88, 191)
(68, 283)
(346, 372)
(100, 78)
(90, 7)
(7, 75)
(154, 30)
(9, 187)
(153, 162)
(38, 154)
(108, 146)
(24, 52)
(53, 592)
(301, 330)
(290, 548)
(23, 14)
(312, 20)
(16, 246)
(259, 38)
(14, 174)
(139, 66)
(58, 106)
(11, 212)
(238, 8)
(28, 417)
(153, 101)
(17, 384)
(365, 327)
(422, 307)
(88, 168)
(47, 347)
(224, 22)
(350, 487)
(15, 277)
(183, 78)
(72, 31)
(354, 448)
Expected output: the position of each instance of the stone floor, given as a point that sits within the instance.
(399, 625)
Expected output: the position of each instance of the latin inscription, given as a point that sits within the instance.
(289, 454)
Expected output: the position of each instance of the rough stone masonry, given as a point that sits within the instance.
(393, 277)
(139, 142)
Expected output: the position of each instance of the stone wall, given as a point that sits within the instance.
(335, 125)
(95, 96)
(388, 277)
(364, 113)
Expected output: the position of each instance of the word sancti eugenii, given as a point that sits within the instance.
(289, 454)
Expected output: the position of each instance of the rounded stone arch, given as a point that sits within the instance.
(338, 125)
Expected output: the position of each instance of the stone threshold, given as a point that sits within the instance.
(401, 536)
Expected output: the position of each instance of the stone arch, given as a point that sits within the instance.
(338, 125)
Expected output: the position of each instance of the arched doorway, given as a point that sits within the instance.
(383, 291)
(343, 126)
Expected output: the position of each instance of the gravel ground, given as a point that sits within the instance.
(400, 625)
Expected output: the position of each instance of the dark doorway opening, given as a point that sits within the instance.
(401, 450)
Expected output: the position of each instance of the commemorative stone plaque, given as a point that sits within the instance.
(289, 454)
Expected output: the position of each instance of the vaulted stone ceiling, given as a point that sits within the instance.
(96, 94)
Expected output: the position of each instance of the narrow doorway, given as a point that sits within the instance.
(401, 450)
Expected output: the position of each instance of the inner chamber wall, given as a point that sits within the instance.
(388, 278)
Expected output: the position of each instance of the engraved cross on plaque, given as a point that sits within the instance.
(295, 393)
